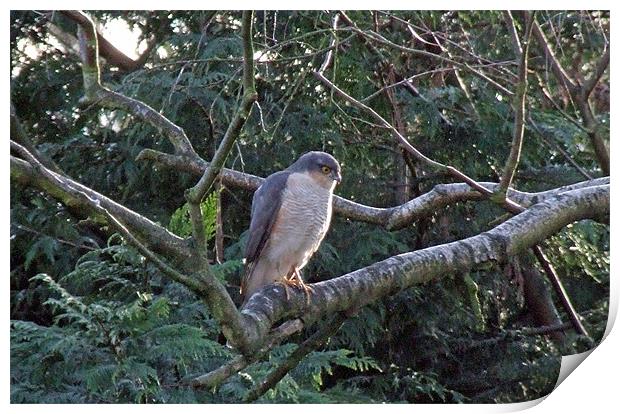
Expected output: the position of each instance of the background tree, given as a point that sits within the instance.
(478, 138)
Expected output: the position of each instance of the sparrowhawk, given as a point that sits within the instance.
(291, 212)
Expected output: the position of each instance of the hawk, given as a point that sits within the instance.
(291, 212)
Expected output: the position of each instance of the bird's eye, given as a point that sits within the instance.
(326, 169)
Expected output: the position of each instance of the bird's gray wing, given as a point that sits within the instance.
(265, 207)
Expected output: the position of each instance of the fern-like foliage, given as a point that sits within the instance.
(110, 345)
(180, 223)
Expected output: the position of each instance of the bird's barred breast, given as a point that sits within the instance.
(302, 221)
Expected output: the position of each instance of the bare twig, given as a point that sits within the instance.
(332, 43)
(380, 39)
(433, 165)
(19, 135)
(546, 92)
(580, 94)
(557, 284)
(556, 67)
(402, 140)
(516, 334)
(601, 67)
(385, 62)
(512, 30)
(59, 240)
(316, 340)
(457, 74)
(216, 377)
(519, 106)
(551, 142)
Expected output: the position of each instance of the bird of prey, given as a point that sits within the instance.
(291, 212)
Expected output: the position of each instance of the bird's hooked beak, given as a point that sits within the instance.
(335, 175)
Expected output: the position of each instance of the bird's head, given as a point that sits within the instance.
(323, 168)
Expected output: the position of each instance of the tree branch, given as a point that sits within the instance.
(538, 299)
(431, 164)
(95, 92)
(556, 67)
(396, 273)
(407, 84)
(580, 95)
(199, 278)
(500, 198)
(332, 43)
(248, 329)
(154, 236)
(380, 39)
(512, 31)
(519, 106)
(391, 218)
(196, 194)
(557, 285)
(55, 180)
(316, 340)
(552, 142)
(601, 67)
(217, 376)
(18, 134)
(106, 49)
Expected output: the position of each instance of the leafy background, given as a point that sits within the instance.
(93, 322)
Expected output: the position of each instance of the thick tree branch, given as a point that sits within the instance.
(216, 296)
(396, 273)
(198, 277)
(154, 236)
(417, 208)
(500, 198)
(56, 180)
(249, 329)
(106, 49)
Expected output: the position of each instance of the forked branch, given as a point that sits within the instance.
(196, 194)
